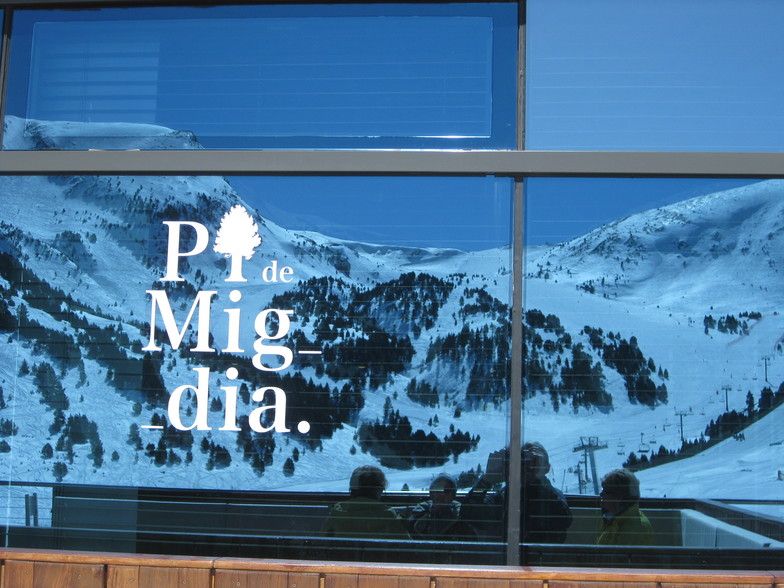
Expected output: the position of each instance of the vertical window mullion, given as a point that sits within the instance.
(514, 483)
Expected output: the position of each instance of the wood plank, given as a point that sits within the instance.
(706, 585)
(388, 580)
(157, 577)
(391, 581)
(583, 584)
(237, 579)
(97, 557)
(28, 574)
(303, 580)
(413, 582)
(18, 574)
(266, 578)
(67, 575)
(653, 577)
(341, 581)
(122, 576)
(243, 579)
(487, 583)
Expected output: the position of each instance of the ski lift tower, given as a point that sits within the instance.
(765, 360)
(588, 445)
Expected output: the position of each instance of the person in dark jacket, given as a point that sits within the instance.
(544, 513)
(622, 522)
(439, 518)
(363, 515)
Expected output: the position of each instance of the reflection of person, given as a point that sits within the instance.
(622, 521)
(363, 515)
(439, 517)
(544, 513)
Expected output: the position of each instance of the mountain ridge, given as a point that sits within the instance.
(723, 233)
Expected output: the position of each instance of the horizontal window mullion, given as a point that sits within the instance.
(397, 162)
(93, 3)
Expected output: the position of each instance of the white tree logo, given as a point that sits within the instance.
(237, 238)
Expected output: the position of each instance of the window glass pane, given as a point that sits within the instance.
(653, 342)
(410, 75)
(186, 357)
(655, 75)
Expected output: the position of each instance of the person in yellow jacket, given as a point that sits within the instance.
(363, 515)
(622, 521)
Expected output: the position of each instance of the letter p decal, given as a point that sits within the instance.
(173, 252)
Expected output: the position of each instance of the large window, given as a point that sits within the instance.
(248, 251)
(180, 336)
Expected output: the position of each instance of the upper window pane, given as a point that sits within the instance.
(272, 76)
(655, 75)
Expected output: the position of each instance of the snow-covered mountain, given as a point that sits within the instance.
(668, 276)
(638, 334)
(719, 248)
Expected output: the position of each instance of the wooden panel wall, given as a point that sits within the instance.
(60, 569)
(270, 579)
(33, 574)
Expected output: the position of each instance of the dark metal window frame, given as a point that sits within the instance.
(517, 164)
